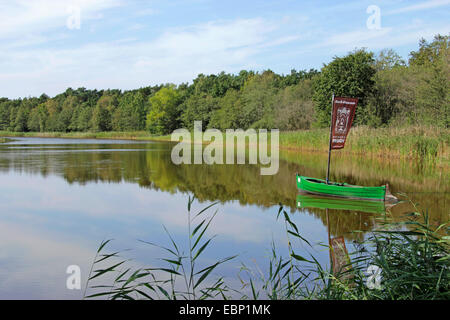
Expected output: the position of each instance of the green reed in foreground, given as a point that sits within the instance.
(413, 256)
(180, 278)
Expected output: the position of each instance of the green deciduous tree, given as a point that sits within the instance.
(349, 76)
(20, 122)
(38, 118)
(163, 115)
(258, 97)
(131, 113)
(198, 107)
(5, 109)
(431, 64)
(294, 109)
(229, 114)
(101, 115)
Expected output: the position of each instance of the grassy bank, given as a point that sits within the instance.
(132, 135)
(428, 143)
(410, 142)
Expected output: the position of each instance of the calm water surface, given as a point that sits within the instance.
(59, 198)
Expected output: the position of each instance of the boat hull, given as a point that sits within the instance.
(340, 190)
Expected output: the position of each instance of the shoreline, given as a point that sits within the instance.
(429, 144)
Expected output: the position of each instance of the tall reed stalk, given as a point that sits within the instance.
(164, 282)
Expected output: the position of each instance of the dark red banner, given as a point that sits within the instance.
(343, 114)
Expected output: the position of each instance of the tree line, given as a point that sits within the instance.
(392, 92)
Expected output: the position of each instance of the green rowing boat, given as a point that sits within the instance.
(342, 113)
(342, 190)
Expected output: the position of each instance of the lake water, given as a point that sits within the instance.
(59, 198)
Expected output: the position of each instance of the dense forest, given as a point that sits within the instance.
(392, 92)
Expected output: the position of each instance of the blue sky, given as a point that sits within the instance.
(131, 44)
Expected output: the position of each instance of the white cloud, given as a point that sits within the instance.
(387, 37)
(421, 6)
(358, 38)
(21, 17)
(147, 12)
(281, 41)
(177, 55)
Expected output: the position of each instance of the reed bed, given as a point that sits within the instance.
(428, 143)
(413, 256)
